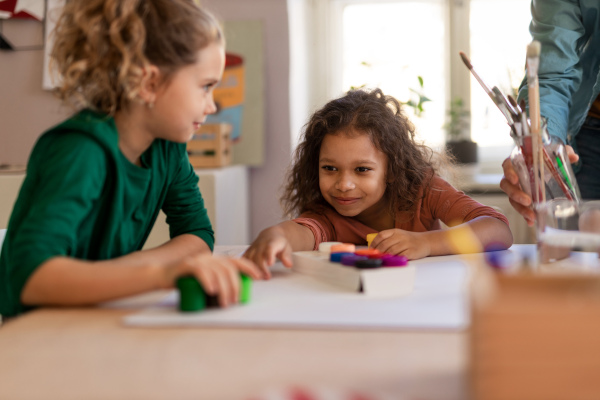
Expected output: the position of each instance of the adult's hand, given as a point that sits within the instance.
(520, 200)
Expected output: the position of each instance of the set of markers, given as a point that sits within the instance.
(540, 160)
(360, 270)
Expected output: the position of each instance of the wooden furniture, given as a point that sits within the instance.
(225, 193)
(87, 353)
(535, 336)
(210, 146)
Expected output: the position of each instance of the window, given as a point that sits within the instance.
(498, 55)
(390, 43)
(385, 46)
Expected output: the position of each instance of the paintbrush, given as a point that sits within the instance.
(494, 93)
(533, 62)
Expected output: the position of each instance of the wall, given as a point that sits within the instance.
(265, 181)
(26, 110)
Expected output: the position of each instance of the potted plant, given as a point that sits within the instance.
(459, 143)
(418, 98)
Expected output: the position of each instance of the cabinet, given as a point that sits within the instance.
(225, 193)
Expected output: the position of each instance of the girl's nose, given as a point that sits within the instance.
(345, 183)
(211, 107)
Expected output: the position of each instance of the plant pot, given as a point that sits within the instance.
(463, 151)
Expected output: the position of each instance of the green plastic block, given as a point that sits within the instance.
(191, 295)
(245, 289)
(193, 298)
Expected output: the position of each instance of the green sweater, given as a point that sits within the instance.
(82, 198)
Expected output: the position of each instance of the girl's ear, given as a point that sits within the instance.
(150, 84)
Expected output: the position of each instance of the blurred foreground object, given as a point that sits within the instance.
(535, 335)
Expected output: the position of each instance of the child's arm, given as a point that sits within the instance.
(278, 242)
(69, 281)
(415, 245)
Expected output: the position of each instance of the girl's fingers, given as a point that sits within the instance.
(207, 278)
(286, 257)
(249, 268)
(232, 276)
(385, 246)
(225, 290)
(381, 236)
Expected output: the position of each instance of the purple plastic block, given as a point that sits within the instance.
(351, 259)
(395, 261)
(337, 257)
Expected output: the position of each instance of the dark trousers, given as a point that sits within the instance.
(588, 146)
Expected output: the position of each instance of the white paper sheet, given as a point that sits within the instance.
(292, 300)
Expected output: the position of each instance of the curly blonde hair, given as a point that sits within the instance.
(411, 165)
(101, 47)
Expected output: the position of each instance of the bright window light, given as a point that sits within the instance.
(498, 55)
(389, 45)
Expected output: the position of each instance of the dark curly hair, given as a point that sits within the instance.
(101, 47)
(410, 165)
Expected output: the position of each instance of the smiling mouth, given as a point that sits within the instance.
(345, 200)
(197, 125)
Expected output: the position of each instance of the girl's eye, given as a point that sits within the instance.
(328, 168)
(363, 169)
(207, 88)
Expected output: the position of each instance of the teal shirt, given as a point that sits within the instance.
(82, 198)
(569, 80)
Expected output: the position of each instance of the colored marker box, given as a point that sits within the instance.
(369, 281)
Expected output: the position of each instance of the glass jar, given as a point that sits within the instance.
(558, 177)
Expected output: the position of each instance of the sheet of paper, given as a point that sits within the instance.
(292, 300)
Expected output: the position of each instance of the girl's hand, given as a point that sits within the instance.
(218, 276)
(269, 246)
(413, 245)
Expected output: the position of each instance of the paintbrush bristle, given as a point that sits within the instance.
(466, 60)
(533, 49)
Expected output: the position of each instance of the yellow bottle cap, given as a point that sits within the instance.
(370, 238)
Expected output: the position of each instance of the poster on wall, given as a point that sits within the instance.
(24, 9)
(245, 39)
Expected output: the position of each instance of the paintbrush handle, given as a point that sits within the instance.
(556, 175)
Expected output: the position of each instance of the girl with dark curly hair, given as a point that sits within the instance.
(142, 74)
(358, 170)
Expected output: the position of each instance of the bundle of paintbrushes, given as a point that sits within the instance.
(540, 160)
